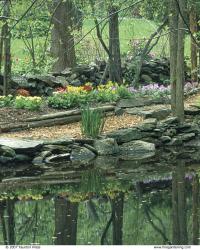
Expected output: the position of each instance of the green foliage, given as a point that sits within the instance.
(123, 92)
(66, 100)
(92, 122)
(6, 101)
(29, 103)
(92, 181)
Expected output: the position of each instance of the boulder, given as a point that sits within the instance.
(148, 124)
(81, 155)
(137, 150)
(106, 146)
(7, 151)
(126, 135)
(57, 158)
(21, 145)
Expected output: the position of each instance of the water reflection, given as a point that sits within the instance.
(100, 209)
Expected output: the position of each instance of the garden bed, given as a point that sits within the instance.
(74, 129)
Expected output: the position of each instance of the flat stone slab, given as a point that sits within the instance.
(21, 145)
(137, 150)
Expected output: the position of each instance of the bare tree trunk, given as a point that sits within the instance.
(175, 225)
(193, 29)
(62, 44)
(66, 214)
(10, 204)
(173, 24)
(180, 72)
(115, 71)
(117, 206)
(1, 47)
(7, 48)
(147, 48)
(182, 212)
(179, 212)
(195, 210)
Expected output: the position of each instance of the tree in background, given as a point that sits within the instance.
(177, 33)
(62, 40)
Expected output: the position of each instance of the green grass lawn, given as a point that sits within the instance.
(89, 48)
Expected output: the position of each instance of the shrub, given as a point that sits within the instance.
(6, 101)
(23, 92)
(92, 122)
(30, 103)
(123, 92)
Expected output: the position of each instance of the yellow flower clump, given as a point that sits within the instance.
(29, 98)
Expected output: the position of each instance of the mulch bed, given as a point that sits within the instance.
(12, 115)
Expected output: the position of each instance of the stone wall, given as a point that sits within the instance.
(139, 143)
(156, 70)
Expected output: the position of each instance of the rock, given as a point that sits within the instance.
(91, 148)
(186, 137)
(45, 154)
(119, 111)
(56, 149)
(175, 142)
(131, 103)
(22, 158)
(7, 151)
(159, 114)
(137, 150)
(81, 154)
(76, 83)
(62, 81)
(165, 139)
(148, 124)
(195, 143)
(183, 127)
(170, 121)
(192, 111)
(21, 145)
(106, 146)
(170, 132)
(57, 158)
(61, 141)
(126, 135)
(66, 72)
(37, 160)
(4, 159)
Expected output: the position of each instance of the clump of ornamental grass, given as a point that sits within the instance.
(92, 122)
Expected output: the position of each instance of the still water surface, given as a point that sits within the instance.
(129, 205)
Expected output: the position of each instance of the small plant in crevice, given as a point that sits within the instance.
(92, 122)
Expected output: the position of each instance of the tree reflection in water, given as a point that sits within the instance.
(99, 211)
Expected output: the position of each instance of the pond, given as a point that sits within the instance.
(123, 203)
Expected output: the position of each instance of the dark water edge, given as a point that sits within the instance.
(107, 202)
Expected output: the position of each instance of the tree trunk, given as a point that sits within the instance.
(66, 214)
(7, 48)
(1, 47)
(180, 72)
(179, 212)
(62, 44)
(182, 212)
(10, 204)
(115, 71)
(175, 225)
(173, 25)
(195, 210)
(193, 29)
(117, 206)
